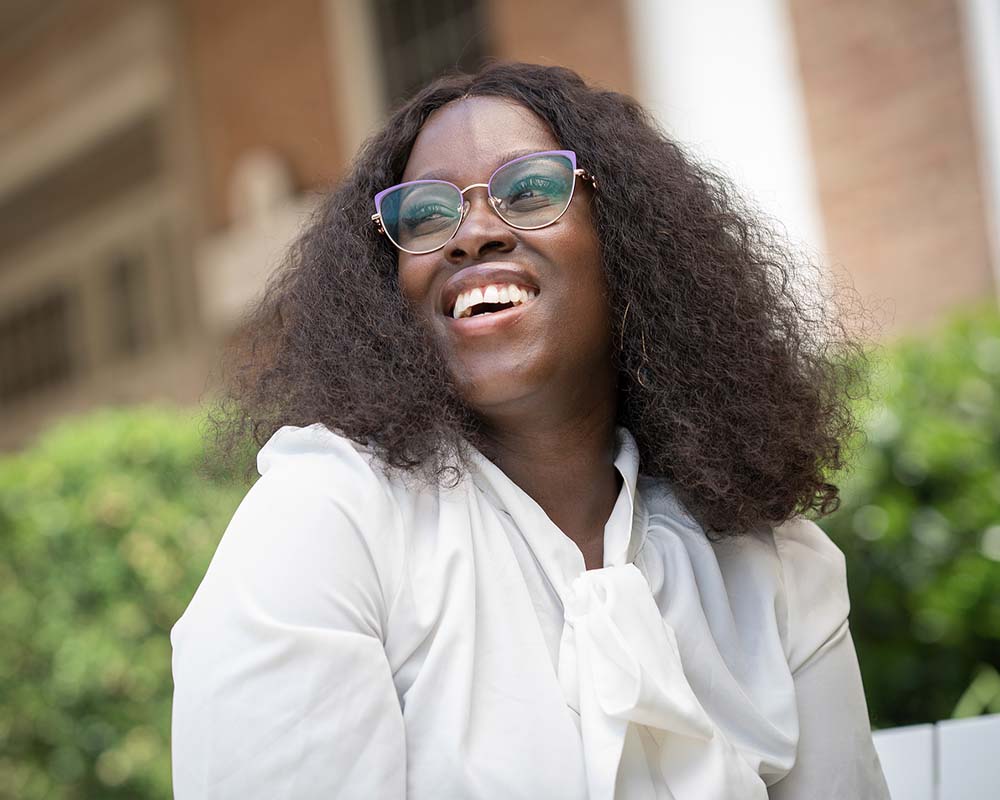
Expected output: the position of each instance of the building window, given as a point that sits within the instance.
(35, 346)
(127, 294)
(420, 39)
(107, 315)
(122, 162)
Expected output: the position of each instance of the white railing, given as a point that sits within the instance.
(956, 759)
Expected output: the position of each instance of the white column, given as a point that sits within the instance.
(359, 101)
(981, 23)
(722, 79)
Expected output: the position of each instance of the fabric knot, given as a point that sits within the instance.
(632, 654)
(619, 664)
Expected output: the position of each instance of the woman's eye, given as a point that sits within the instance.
(427, 215)
(534, 189)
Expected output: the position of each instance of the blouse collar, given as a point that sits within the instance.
(557, 553)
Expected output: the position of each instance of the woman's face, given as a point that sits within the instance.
(549, 354)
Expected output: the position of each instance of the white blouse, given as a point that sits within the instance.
(361, 636)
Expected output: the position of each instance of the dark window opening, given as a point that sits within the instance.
(127, 295)
(420, 39)
(35, 349)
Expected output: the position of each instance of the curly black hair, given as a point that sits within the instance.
(736, 383)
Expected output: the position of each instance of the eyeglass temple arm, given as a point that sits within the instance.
(586, 176)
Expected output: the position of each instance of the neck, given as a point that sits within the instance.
(566, 465)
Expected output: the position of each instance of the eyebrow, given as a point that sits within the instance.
(435, 175)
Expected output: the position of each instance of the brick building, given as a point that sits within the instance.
(157, 155)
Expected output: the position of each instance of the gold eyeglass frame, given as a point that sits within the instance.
(493, 202)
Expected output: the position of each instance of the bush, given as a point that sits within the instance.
(920, 525)
(107, 528)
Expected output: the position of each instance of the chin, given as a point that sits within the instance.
(493, 390)
(489, 392)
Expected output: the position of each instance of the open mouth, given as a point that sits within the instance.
(491, 299)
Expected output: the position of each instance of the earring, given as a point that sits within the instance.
(641, 373)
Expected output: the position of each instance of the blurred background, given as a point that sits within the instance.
(157, 156)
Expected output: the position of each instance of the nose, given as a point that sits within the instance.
(481, 232)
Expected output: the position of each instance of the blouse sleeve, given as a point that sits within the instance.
(835, 756)
(281, 684)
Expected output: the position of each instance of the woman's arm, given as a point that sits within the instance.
(836, 758)
(282, 688)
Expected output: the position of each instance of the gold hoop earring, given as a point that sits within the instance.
(641, 371)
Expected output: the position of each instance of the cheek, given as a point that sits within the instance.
(581, 251)
(412, 279)
(583, 257)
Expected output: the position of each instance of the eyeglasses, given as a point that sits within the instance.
(527, 193)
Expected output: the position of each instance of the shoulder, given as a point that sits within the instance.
(322, 507)
(314, 464)
(316, 541)
(814, 584)
(315, 459)
(789, 577)
(314, 468)
(803, 573)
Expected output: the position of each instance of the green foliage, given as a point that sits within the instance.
(920, 524)
(107, 527)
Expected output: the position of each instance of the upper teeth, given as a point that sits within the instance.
(493, 293)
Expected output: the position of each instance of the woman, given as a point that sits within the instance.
(451, 580)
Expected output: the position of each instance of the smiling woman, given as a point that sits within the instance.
(539, 411)
(535, 357)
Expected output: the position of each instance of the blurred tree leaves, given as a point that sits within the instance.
(108, 524)
(920, 523)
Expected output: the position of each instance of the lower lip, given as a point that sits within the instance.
(488, 323)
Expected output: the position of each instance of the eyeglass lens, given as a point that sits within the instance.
(527, 193)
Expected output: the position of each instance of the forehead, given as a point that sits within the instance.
(467, 139)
